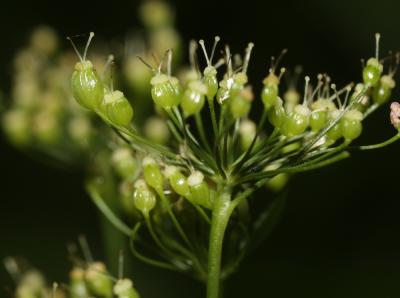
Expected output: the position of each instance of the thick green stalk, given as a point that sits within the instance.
(220, 218)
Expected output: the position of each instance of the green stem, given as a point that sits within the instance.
(200, 128)
(380, 145)
(220, 217)
(213, 116)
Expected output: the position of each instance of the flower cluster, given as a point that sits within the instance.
(193, 192)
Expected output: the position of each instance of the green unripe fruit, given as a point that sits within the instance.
(143, 197)
(200, 192)
(247, 131)
(123, 288)
(210, 81)
(152, 174)
(124, 163)
(193, 98)
(117, 108)
(383, 90)
(363, 102)
(87, 87)
(335, 132)
(270, 91)
(240, 104)
(165, 91)
(318, 120)
(77, 285)
(97, 281)
(296, 122)
(276, 115)
(319, 115)
(351, 125)
(177, 181)
(372, 72)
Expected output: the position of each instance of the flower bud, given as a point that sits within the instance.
(77, 284)
(87, 87)
(143, 197)
(124, 163)
(200, 192)
(350, 124)
(97, 281)
(165, 91)
(177, 181)
(156, 14)
(193, 98)
(372, 72)
(123, 288)
(117, 108)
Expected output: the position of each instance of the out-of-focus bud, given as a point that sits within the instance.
(44, 40)
(46, 127)
(123, 288)
(247, 131)
(124, 163)
(155, 14)
(98, 283)
(156, 129)
(77, 284)
(17, 126)
(80, 130)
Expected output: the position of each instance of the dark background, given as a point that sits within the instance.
(339, 236)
